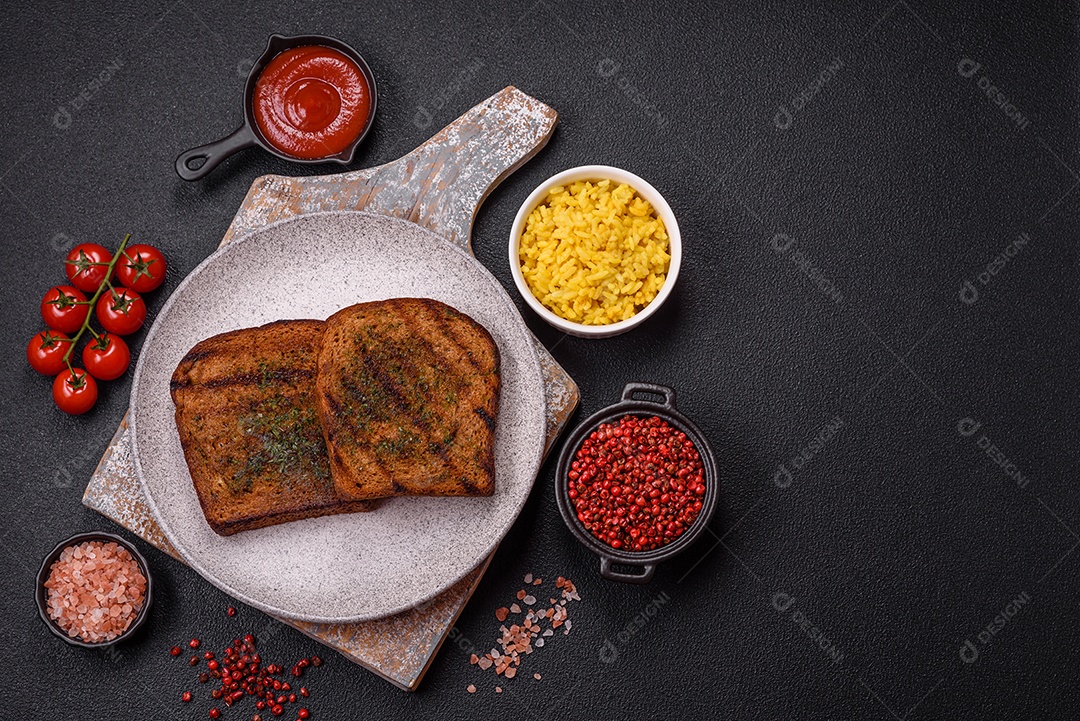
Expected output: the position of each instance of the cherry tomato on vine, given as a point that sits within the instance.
(106, 357)
(64, 309)
(86, 266)
(121, 311)
(75, 392)
(141, 268)
(46, 352)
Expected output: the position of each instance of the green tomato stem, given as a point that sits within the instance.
(93, 301)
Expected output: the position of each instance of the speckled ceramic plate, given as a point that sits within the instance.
(357, 566)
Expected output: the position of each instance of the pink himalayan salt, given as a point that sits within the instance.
(95, 591)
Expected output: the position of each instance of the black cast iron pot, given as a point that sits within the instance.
(640, 565)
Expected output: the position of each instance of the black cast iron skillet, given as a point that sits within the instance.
(631, 404)
(42, 593)
(248, 134)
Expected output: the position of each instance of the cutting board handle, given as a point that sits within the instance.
(439, 185)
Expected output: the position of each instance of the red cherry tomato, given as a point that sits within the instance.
(121, 311)
(75, 392)
(46, 352)
(86, 266)
(64, 309)
(106, 357)
(141, 268)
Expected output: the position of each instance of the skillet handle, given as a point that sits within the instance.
(655, 389)
(612, 575)
(213, 153)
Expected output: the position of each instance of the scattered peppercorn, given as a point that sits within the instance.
(242, 673)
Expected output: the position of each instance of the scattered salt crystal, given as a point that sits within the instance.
(522, 639)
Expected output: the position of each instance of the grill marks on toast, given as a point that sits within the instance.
(408, 392)
(259, 378)
(298, 419)
(245, 411)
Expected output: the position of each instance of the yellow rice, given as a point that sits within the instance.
(594, 253)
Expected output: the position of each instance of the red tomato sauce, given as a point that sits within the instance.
(311, 102)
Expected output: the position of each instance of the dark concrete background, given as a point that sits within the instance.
(838, 175)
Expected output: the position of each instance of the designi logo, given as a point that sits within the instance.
(968, 427)
(969, 651)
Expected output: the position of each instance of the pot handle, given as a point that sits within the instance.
(655, 389)
(213, 153)
(612, 575)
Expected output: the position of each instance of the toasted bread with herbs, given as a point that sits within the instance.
(408, 394)
(245, 410)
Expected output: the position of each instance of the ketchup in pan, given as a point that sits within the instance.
(311, 102)
(308, 99)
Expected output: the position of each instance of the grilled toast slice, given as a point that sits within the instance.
(245, 410)
(408, 394)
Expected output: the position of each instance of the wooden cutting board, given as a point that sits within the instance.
(438, 186)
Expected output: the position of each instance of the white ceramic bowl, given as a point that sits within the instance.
(646, 191)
